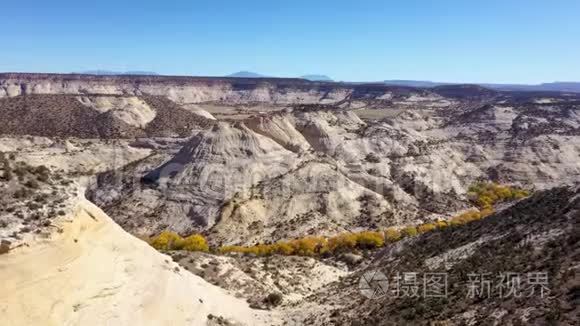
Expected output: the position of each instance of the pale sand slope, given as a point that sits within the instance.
(107, 277)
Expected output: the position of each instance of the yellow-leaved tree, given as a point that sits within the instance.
(369, 240)
(195, 242)
(427, 227)
(392, 235)
(308, 246)
(167, 240)
(340, 243)
(409, 231)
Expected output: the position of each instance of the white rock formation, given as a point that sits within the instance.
(181, 90)
(94, 273)
(280, 128)
(215, 165)
(132, 110)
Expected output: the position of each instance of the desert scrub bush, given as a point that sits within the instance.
(372, 158)
(42, 198)
(42, 173)
(273, 299)
(41, 169)
(4, 247)
(409, 231)
(33, 206)
(21, 193)
(33, 184)
(373, 171)
(20, 171)
(7, 175)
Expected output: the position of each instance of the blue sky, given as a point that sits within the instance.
(445, 40)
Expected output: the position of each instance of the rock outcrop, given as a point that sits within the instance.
(189, 190)
(94, 273)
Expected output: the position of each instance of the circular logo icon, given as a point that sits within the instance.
(373, 284)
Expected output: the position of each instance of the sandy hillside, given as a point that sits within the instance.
(94, 273)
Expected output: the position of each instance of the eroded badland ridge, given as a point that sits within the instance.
(294, 185)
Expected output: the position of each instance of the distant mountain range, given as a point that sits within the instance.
(117, 73)
(250, 74)
(554, 86)
(317, 78)
(246, 74)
